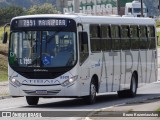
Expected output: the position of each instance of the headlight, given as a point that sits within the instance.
(69, 81)
(15, 82)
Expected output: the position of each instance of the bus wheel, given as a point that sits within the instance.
(32, 100)
(133, 87)
(91, 99)
(132, 91)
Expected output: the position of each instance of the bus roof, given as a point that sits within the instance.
(88, 19)
(117, 20)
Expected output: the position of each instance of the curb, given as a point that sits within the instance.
(139, 101)
(5, 97)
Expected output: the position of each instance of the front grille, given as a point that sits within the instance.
(50, 92)
(41, 75)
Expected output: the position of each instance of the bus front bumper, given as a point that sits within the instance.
(46, 91)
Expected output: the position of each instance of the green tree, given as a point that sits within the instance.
(42, 9)
(7, 13)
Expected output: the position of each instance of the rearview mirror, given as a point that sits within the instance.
(5, 37)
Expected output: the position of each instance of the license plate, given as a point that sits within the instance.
(41, 92)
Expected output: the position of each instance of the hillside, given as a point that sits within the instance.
(25, 3)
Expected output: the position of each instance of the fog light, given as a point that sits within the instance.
(13, 80)
(16, 82)
(71, 80)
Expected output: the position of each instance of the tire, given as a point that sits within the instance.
(133, 87)
(32, 100)
(132, 91)
(91, 99)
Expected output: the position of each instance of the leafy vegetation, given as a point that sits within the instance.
(158, 23)
(25, 3)
(42, 9)
(3, 58)
(7, 13)
(158, 34)
(158, 110)
(3, 68)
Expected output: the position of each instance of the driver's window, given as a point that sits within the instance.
(83, 40)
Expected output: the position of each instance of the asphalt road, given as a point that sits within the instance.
(149, 91)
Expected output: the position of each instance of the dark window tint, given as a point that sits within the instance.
(95, 38)
(83, 45)
(105, 38)
(143, 31)
(134, 37)
(130, 10)
(125, 39)
(124, 31)
(143, 37)
(151, 30)
(151, 37)
(115, 37)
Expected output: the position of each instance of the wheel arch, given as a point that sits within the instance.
(96, 81)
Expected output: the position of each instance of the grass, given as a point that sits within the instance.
(3, 59)
(1, 32)
(158, 23)
(158, 34)
(3, 68)
(158, 110)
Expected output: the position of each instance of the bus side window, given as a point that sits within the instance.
(125, 37)
(83, 46)
(95, 38)
(151, 37)
(105, 38)
(129, 10)
(143, 37)
(115, 34)
(134, 37)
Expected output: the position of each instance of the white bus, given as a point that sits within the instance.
(80, 56)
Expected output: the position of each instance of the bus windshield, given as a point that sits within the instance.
(138, 10)
(42, 49)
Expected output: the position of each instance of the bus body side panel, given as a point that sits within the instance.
(106, 79)
(84, 68)
(96, 68)
(126, 69)
(151, 66)
(113, 69)
(141, 67)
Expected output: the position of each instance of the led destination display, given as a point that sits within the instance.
(41, 22)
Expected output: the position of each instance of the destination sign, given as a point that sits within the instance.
(41, 23)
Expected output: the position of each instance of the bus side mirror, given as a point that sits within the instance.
(83, 37)
(5, 34)
(5, 37)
